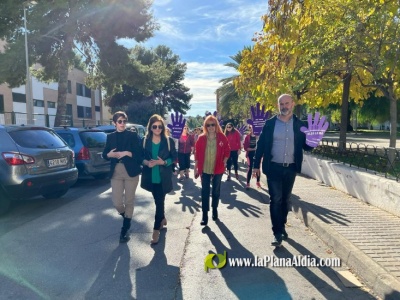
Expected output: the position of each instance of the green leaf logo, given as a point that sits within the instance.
(208, 261)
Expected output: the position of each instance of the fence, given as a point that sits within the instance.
(379, 160)
(17, 118)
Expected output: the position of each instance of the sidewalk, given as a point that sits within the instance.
(366, 238)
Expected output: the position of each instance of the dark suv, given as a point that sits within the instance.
(33, 161)
(88, 145)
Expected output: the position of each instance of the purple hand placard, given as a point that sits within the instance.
(258, 118)
(178, 122)
(242, 129)
(315, 131)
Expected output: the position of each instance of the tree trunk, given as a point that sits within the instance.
(345, 111)
(61, 118)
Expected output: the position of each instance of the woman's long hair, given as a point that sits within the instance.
(227, 132)
(215, 121)
(154, 118)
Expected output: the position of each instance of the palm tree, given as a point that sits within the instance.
(231, 105)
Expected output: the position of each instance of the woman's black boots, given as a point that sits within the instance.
(126, 225)
(204, 220)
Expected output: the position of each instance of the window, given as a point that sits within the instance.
(17, 97)
(79, 89)
(97, 108)
(83, 90)
(84, 112)
(1, 103)
(69, 110)
(88, 92)
(69, 87)
(38, 103)
(51, 104)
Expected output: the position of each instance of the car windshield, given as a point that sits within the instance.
(94, 139)
(43, 139)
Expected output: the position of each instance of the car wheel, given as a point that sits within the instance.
(5, 203)
(54, 195)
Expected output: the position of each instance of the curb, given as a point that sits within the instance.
(382, 283)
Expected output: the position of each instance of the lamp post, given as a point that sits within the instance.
(28, 84)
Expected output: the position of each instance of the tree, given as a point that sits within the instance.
(231, 103)
(166, 74)
(58, 28)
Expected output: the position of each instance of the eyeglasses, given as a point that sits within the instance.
(157, 126)
(229, 127)
(211, 124)
(122, 121)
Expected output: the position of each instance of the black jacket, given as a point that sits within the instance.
(132, 143)
(264, 144)
(165, 171)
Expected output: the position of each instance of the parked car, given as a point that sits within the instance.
(88, 145)
(33, 161)
(140, 129)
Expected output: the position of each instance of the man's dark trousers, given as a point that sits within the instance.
(280, 179)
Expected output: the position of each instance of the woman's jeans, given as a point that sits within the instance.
(280, 181)
(159, 199)
(206, 180)
(250, 161)
(233, 160)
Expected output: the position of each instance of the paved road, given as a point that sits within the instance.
(366, 139)
(71, 251)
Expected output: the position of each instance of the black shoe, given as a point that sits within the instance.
(124, 238)
(215, 214)
(284, 236)
(276, 242)
(204, 220)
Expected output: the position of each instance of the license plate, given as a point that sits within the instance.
(57, 162)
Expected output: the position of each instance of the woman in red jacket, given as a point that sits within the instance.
(233, 136)
(212, 153)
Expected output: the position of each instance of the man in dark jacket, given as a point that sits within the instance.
(281, 145)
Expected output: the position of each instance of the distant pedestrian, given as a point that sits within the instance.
(233, 136)
(159, 155)
(250, 146)
(281, 145)
(212, 153)
(124, 150)
(185, 149)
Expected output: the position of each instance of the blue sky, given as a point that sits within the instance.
(204, 34)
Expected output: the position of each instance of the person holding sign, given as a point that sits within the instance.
(281, 145)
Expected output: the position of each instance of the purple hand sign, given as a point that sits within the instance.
(258, 118)
(315, 131)
(176, 128)
(242, 129)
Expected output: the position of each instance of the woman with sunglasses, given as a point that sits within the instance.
(250, 146)
(212, 152)
(159, 155)
(124, 150)
(233, 136)
(185, 148)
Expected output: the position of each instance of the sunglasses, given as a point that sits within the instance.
(210, 125)
(228, 126)
(122, 121)
(157, 126)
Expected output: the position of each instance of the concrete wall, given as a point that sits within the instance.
(373, 189)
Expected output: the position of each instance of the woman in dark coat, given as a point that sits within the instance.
(124, 149)
(159, 155)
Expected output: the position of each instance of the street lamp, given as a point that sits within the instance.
(28, 84)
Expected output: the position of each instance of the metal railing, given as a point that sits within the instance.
(379, 160)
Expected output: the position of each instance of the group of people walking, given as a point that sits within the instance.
(279, 147)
